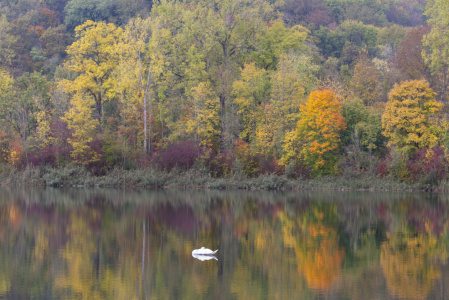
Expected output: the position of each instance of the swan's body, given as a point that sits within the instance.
(204, 257)
(203, 251)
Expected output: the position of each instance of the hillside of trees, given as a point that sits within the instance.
(302, 88)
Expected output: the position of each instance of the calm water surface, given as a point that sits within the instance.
(119, 244)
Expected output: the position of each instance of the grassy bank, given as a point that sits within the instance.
(74, 176)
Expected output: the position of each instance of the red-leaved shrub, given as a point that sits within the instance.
(428, 162)
(180, 154)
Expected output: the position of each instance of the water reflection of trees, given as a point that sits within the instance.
(105, 244)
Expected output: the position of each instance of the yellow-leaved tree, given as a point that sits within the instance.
(205, 119)
(317, 136)
(94, 58)
(80, 121)
(141, 63)
(250, 93)
(409, 117)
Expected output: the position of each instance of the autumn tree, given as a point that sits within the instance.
(94, 59)
(80, 121)
(408, 120)
(250, 92)
(141, 62)
(318, 131)
(292, 80)
(205, 122)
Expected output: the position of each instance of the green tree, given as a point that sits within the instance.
(7, 41)
(275, 40)
(78, 12)
(436, 55)
(18, 106)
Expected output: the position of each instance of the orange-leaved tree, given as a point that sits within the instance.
(408, 120)
(318, 132)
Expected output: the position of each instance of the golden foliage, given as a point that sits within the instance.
(408, 118)
(205, 119)
(318, 131)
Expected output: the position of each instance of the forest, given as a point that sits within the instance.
(296, 88)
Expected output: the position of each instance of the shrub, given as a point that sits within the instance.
(218, 164)
(181, 155)
(428, 166)
(270, 166)
(44, 156)
(295, 170)
(250, 160)
(99, 166)
(398, 167)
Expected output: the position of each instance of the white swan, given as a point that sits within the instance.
(203, 251)
(204, 257)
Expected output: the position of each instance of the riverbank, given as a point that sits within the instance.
(74, 176)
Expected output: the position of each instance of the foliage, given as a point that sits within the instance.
(78, 12)
(436, 53)
(93, 58)
(408, 117)
(181, 155)
(251, 91)
(409, 56)
(319, 130)
(249, 160)
(83, 127)
(348, 40)
(366, 81)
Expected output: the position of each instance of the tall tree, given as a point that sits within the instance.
(250, 92)
(94, 58)
(141, 62)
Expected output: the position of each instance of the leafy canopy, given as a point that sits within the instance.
(408, 117)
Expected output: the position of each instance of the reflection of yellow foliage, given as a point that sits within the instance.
(85, 276)
(320, 260)
(15, 217)
(4, 284)
(241, 279)
(407, 271)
